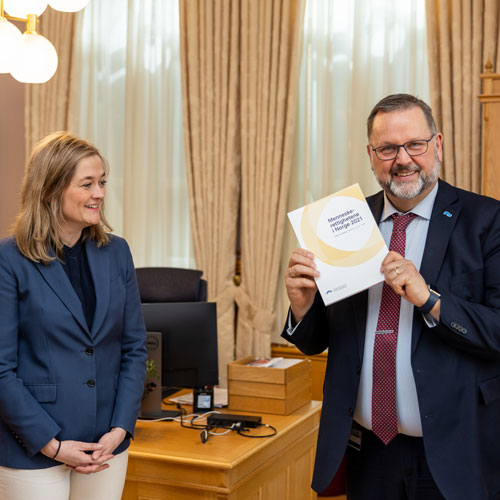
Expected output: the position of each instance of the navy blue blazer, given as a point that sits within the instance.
(58, 378)
(456, 365)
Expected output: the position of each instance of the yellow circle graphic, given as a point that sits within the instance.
(329, 254)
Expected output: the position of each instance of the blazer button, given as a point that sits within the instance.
(350, 412)
(91, 383)
(89, 351)
(358, 369)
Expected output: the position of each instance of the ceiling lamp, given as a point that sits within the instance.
(30, 57)
(36, 60)
(21, 8)
(10, 37)
(68, 5)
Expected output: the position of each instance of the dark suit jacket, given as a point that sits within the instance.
(57, 377)
(456, 365)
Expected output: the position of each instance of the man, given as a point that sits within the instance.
(413, 375)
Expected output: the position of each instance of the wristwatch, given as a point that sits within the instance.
(430, 302)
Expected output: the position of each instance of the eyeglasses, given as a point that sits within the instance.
(413, 148)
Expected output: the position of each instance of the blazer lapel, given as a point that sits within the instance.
(360, 313)
(443, 219)
(58, 281)
(99, 265)
(376, 204)
(444, 216)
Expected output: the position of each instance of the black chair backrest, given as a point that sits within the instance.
(171, 284)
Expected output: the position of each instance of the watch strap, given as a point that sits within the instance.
(430, 302)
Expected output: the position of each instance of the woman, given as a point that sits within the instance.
(72, 355)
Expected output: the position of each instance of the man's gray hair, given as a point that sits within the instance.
(401, 102)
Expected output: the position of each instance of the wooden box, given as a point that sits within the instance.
(268, 390)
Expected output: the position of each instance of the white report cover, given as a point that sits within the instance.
(348, 248)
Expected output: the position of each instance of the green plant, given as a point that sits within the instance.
(151, 370)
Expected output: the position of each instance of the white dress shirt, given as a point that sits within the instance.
(407, 403)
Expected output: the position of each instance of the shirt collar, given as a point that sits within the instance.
(76, 249)
(423, 209)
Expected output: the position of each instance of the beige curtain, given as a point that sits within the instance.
(46, 104)
(462, 36)
(354, 53)
(240, 64)
(271, 38)
(209, 34)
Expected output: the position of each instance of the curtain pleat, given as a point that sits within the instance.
(354, 53)
(461, 36)
(46, 105)
(240, 66)
(153, 175)
(210, 62)
(127, 100)
(271, 38)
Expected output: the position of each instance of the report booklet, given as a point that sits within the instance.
(348, 248)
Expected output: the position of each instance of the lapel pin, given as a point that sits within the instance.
(448, 214)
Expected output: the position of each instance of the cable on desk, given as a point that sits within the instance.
(273, 433)
(208, 429)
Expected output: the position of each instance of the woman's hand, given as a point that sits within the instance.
(73, 454)
(108, 442)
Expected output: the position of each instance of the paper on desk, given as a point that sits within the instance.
(286, 363)
(220, 398)
(264, 362)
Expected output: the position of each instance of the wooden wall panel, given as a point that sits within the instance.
(490, 98)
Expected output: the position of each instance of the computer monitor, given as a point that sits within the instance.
(189, 342)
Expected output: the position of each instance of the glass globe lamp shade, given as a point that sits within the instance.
(21, 8)
(10, 40)
(68, 5)
(36, 60)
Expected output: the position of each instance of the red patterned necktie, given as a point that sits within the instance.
(384, 410)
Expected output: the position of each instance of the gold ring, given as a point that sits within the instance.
(396, 270)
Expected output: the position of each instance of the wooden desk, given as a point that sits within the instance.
(168, 462)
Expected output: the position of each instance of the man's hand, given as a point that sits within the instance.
(404, 278)
(299, 281)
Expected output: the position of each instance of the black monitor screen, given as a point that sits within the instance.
(189, 341)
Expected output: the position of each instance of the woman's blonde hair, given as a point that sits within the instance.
(51, 167)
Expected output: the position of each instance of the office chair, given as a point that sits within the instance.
(171, 284)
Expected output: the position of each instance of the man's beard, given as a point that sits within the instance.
(409, 190)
